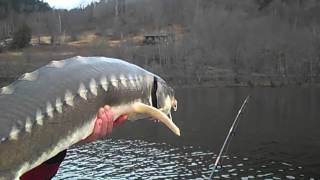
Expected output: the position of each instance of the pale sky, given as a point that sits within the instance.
(67, 4)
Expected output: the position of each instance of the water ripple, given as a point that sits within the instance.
(137, 159)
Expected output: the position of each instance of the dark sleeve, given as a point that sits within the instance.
(58, 158)
(46, 170)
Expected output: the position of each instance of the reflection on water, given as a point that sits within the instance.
(277, 137)
(136, 159)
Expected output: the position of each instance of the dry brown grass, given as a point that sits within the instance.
(43, 40)
(11, 56)
(85, 39)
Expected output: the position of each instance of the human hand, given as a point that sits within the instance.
(104, 124)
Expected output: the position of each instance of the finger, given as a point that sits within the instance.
(109, 127)
(118, 122)
(100, 113)
(107, 108)
(96, 131)
(108, 112)
(109, 120)
(104, 128)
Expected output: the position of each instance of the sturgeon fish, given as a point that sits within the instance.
(48, 110)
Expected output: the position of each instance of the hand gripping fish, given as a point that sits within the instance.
(54, 107)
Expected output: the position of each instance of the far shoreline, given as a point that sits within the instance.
(180, 84)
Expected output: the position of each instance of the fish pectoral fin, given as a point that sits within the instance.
(139, 107)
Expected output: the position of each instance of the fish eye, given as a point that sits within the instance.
(174, 104)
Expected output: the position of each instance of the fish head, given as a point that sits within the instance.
(165, 97)
(157, 105)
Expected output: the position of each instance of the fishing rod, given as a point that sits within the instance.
(231, 131)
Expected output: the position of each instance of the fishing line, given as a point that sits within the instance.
(229, 136)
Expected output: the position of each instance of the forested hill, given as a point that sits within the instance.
(194, 41)
(22, 6)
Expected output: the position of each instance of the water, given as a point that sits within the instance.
(278, 137)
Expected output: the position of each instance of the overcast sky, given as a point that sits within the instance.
(67, 4)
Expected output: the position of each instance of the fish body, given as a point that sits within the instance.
(54, 107)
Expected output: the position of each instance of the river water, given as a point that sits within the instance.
(278, 137)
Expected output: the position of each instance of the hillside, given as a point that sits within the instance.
(252, 42)
(21, 6)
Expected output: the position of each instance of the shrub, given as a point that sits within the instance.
(22, 37)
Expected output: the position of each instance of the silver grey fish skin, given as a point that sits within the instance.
(31, 120)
